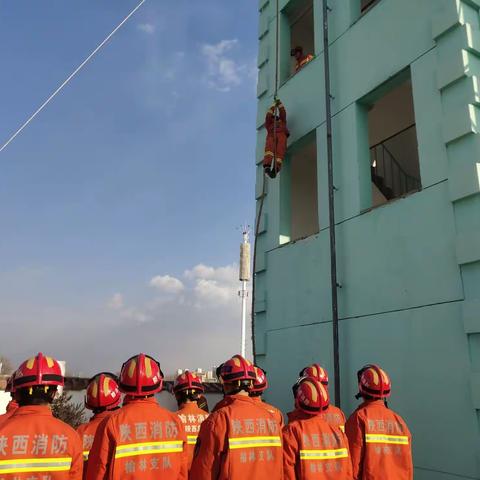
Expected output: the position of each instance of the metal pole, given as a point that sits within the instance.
(244, 295)
(331, 205)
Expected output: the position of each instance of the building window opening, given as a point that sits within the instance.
(394, 160)
(299, 191)
(367, 5)
(299, 14)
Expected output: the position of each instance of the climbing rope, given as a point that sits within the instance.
(273, 166)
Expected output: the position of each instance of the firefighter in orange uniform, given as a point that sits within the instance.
(12, 404)
(33, 444)
(276, 142)
(242, 440)
(300, 59)
(380, 442)
(332, 415)
(102, 397)
(259, 386)
(142, 440)
(313, 449)
(187, 389)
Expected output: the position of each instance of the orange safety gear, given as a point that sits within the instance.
(140, 376)
(276, 141)
(261, 383)
(240, 441)
(380, 443)
(87, 434)
(39, 370)
(311, 396)
(373, 382)
(191, 416)
(315, 371)
(302, 61)
(270, 408)
(188, 381)
(314, 450)
(34, 444)
(11, 408)
(238, 369)
(332, 415)
(226, 400)
(102, 392)
(141, 441)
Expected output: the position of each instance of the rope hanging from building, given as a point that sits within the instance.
(273, 167)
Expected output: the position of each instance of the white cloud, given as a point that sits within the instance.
(167, 284)
(223, 71)
(116, 302)
(147, 28)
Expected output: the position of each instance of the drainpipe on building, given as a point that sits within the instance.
(331, 205)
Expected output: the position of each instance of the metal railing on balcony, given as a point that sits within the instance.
(389, 173)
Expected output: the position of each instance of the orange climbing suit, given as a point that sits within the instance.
(276, 142)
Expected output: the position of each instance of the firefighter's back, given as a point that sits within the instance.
(240, 441)
(387, 442)
(142, 441)
(35, 445)
(316, 450)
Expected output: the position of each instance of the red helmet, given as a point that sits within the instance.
(311, 396)
(261, 383)
(39, 370)
(103, 392)
(237, 369)
(188, 381)
(141, 375)
(373, 382)
(315, 371)
(9, 387)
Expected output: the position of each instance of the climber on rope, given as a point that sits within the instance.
(276, 143)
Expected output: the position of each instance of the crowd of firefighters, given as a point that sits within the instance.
(130, 436)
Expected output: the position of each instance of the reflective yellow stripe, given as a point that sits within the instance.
(323, 454)
(192, 439)
(268, 154)
(254, 442)
(393, 439)
(31, 465)
(85, 455)
(342, 428)
(136, 449)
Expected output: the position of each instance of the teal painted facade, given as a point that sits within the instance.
(410, 269)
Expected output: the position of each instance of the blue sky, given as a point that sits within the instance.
(139, 171)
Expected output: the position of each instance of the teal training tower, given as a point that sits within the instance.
(405, 99)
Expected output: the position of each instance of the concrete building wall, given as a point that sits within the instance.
(410, 269)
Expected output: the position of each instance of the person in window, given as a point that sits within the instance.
(300, 58)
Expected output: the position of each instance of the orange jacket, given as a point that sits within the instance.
(191, 416)
(277, 134)
(303, 61)
(226, 400)
(40, 445)
(314, 450)
(333, 416)
(87, 434)
(141, 441)
(274, 410)
(241, 441)
(380, 443)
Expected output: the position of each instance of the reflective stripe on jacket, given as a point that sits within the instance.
(192, 417)
(314, 450)
(141, 441)
(34, 444)
(87, 434)
(380, 443)
(241, 441)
